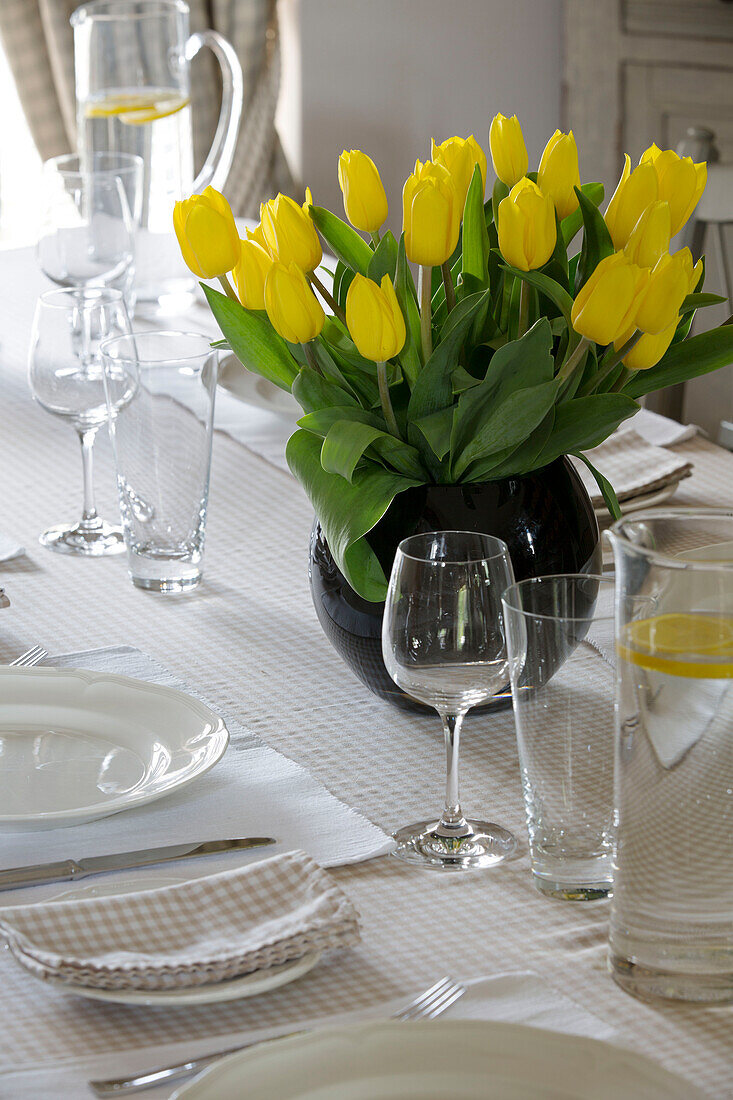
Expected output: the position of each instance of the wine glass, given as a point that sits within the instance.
(66, 378)
(92, 208)
(443, 643)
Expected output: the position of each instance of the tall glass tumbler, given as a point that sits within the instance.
(560, 637)
(671, 930)
(162, 443)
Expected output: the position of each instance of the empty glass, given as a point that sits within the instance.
(443, 642)
(162, 442)
(90, 219)
(671, 931)
(66, 379)
(560, 636)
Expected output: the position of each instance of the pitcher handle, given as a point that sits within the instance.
(219, 161)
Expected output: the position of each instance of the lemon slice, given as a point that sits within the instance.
(137, 108)
(681, 644)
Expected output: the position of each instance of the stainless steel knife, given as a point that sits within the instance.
(69, 870)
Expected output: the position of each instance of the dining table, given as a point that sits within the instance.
(249, 641)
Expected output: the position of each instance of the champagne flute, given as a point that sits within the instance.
(66, 378)
(443, 642)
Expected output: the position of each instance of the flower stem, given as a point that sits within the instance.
(327, 297)
(375, 239)
(609, 363)
(572, 361)
(450, 294)
(425, 280)
(523, 308)
(227, 287)
(622, 379)
(386, 400)
(310, 356)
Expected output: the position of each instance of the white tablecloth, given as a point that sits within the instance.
(250, 641)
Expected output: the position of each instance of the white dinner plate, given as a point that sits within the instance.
(253, 389)
(463, 1060)
(78, 745)
(248, 985)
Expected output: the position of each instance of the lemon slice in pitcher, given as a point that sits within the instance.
(137, 108)
(681, 644)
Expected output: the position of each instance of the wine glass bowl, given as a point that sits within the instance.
(443, 643)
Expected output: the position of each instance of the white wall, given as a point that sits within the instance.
(387, 75)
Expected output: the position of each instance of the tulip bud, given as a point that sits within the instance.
(460, 156)
(430, 215)
(606, 304)
(250, 273)
(206, 233)
(526, 226)
(681, 183)
(365, 201)
(290, 234)
(668, 287)
(374, 318)
(635, 191)
(650, 236)
(291, 305)
(559, 174)
(648, 350)
(508, 151)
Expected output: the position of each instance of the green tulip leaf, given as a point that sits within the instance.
(253, 339)
(344, 242)
(498, 194)
(513, 461)
(700, 301)
(384, 259)
(313, 392)
(508, 424)
(574, 221)
(437, 428)
(347, 511)
(347, 440)
(597, 243)
(405, 289)
(692, 358)
(475, 259)
(585, 422)
(342, 280)
(607, 490)
(547, 286)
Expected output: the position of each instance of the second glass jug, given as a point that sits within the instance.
(133, 87)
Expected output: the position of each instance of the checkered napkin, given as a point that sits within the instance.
(195, 933)
(633, 466)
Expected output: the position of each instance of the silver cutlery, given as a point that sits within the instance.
(30, 657)
(69, 870)
(433, 1002)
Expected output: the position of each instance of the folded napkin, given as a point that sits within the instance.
(194, 933)
(633, 466)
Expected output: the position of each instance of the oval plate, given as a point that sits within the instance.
(463, 1059)
(79, 745)
(253, 389)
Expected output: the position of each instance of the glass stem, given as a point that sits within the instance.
(89, 519)
(452, 822)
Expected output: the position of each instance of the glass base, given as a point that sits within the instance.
(180, 584)
(486, 846)
(650, 984)
(90, 542)
(572, 891)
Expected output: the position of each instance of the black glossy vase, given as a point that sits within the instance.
(546, 519)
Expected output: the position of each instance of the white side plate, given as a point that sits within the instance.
(78, 745)
(254, 390)
(463, 1060)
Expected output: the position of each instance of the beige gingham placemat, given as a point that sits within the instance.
(633, 466)
(199, 932)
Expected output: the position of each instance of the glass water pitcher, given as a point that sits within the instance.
(133, 92)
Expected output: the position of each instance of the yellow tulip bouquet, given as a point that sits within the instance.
(509, 349)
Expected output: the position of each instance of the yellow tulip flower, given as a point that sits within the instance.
(257, 236)
(250, 273)
(293, 309)
(374, 318)
(606, 304)
(648, 350)
(431, 216)
(558, 172)
(290, 234)
(650, 236)
(460, 156)
(526, 226)
(206, 233)
(681, 183)
(668, 287)
(635, 191)
(508, 151)
(365, 200)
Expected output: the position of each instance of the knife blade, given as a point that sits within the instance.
(69, 870)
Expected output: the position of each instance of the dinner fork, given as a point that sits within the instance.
(433, 1002)
(30, 657)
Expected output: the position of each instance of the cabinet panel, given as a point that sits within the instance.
(679, 18)
(662, 101)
